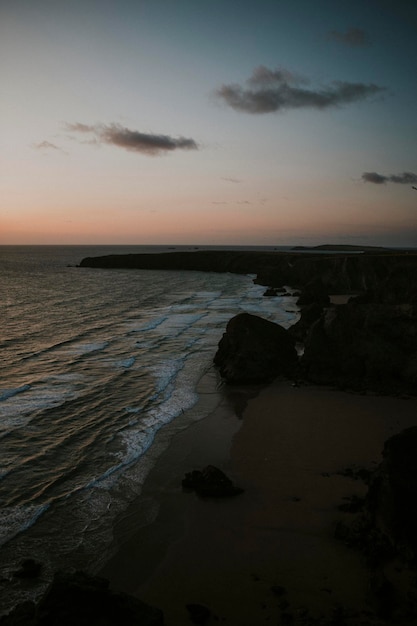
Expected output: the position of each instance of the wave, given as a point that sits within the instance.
(126, 362)
(14, 520)
(10, 393)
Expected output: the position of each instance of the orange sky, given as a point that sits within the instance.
(135, 124)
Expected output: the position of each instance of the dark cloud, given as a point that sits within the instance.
(46, 145)
(231, 180)
(269, 91)
(373, 177)
(354, 37)
(146, 143)
(406, 178)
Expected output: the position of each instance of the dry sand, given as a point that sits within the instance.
(235, 555)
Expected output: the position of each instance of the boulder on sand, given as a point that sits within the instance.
(210, 482)
(255, 350)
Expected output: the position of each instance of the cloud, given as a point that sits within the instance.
(354, 37)
(46, 145)
(406, 178)
(231, 180)
(268, 91)
(373, 177)
(133, 140)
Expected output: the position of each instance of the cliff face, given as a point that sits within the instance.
(363, 346)
(338, 272)
(368, 343)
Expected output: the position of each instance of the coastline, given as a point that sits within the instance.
(270, 550)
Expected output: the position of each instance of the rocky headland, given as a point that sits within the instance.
(337, 272)
(367, 343)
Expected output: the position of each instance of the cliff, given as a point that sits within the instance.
(339, 272)
(368, 343)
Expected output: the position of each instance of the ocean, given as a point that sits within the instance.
(93, 364)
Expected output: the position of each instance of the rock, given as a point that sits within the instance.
(309, 314)
(391, 501)
(314, 292)
(77, 598)
(211, 482)
(29, 568)
(255, 350)
(271, 292)
(275, 291)
(339, 271)
(198, 613)
(364, 346)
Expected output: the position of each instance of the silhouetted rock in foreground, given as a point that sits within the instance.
(210, 482)
(392, 497)
(81, 600)
(386, 530)
(255, 350)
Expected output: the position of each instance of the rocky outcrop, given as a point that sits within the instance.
(339, 272)
(385, 530)
(83, 600)
(368, 343)
(210, 482)
(255, 350)
(363, 345)
(391, 502)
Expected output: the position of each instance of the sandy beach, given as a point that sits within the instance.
(269, 554)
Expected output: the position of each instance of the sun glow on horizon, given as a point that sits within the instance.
(137, 126)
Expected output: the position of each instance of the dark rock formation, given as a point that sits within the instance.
(339, 272)
(271, 292)
(385, 530)
(82, 600)
(391, 502)
(314, 292)
(364, 345)
(210, 482)
(199, 614)
(29, 568)
(255, 350)
(309, 314)
(368, 343)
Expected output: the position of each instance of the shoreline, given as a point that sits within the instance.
(271, 549)
(188, 441)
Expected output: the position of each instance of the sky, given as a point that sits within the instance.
(228, 122)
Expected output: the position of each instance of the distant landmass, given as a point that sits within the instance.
(344, 248)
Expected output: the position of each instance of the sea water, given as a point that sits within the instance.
(94, 363)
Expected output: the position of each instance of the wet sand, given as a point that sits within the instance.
(269, 552)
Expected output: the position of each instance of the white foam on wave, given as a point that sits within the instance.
(125, 363)
(150, 324)
(18, 409)
(133, 409)
(178, 322)
(135, 442)
(86, 348)
(164, 373)
(14, 520)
